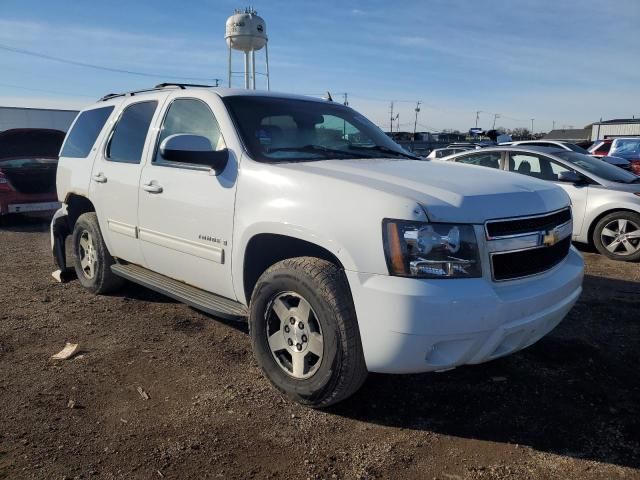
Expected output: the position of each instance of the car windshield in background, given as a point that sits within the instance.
(289, 130)
(576, 148)
(598, 167)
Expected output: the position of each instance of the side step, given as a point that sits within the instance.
(200, 299)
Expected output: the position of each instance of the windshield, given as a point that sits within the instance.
(598, 167)
(287, 130)
(576, 148)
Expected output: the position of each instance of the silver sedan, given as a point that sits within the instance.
(605, 199)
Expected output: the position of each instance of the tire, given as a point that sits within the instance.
(339, 370)
(617, 236)
(91, 259)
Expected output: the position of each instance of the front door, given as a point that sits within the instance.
(185, 211)
(115, 178)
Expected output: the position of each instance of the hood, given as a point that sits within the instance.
(448, 192)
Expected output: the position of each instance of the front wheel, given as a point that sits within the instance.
(304, 331)
(617, 236)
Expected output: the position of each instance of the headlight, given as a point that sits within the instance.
(430, 250)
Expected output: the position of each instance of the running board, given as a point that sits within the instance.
(195, 297)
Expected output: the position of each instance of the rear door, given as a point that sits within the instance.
(186, 212)
(116, 176)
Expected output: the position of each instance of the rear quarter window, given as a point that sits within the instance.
(84, 132)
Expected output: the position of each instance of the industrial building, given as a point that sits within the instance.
(620, 127)
(18, 117)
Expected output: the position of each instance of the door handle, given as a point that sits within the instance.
(152, 187)
(100, 178)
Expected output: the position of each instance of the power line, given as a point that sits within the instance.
(52, 58)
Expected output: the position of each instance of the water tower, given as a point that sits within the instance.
(247, 32)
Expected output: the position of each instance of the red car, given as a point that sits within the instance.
(601, 147)
(28, 162)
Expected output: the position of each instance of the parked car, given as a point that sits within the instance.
(605, 199)
(347, 254)
(600, 148)
(28, 160)
(445, 152)
(572, 147)
(629, 149)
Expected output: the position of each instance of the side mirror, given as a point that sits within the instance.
(193, 149)
(570, 177)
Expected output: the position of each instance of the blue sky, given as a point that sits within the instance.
(571, 62)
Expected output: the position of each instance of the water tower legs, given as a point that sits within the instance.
(266, 53)
(229, 67)
(253, 69)
(246, 70)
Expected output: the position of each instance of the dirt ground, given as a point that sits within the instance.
(567, 407)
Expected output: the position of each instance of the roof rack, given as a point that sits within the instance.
(160, 86)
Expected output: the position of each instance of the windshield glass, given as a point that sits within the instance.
(286, 130)
(598, 167)
(577, 149)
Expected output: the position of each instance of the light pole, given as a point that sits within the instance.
(532, 126)
(495, 116)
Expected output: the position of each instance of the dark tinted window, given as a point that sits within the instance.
(85, 131)
(484, 159)
(30, 142)
(190, 116)
(130, 133)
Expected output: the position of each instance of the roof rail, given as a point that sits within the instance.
(181, 86)
(160, 86)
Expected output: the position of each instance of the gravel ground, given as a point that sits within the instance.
(567, 407)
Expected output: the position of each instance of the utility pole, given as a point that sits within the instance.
(391, 119)
(415, 123)
(478, 117)
(398, 122)
(346, 100)
(554, 125)
(532, 126)
(495, 116)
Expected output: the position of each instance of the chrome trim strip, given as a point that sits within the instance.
(500, 220)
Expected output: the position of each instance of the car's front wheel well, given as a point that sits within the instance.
(266, 249)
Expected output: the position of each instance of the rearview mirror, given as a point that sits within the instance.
(193, 149)
(570, 177)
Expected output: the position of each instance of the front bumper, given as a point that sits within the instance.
(412, 325)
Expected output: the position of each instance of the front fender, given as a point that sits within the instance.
(284, 229)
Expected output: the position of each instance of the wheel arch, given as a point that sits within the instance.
(265, 249)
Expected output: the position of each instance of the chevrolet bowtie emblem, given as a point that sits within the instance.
(550, 238)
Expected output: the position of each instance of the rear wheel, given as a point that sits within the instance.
(617, 236)
(304, 331)
(92, 261)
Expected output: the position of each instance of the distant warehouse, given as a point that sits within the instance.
(19, 117)
(620, 127)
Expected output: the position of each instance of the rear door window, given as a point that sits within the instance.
(484, 159)
(85, 131)
(130, 133)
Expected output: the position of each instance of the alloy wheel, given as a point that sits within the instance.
(294, 335)
(621, 237)
(88, 255)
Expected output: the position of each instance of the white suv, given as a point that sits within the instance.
(346, 253)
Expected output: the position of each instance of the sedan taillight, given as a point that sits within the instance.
(5, 186)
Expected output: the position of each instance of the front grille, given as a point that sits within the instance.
(504, 228)
(510, 265)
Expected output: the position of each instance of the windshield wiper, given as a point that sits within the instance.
(383, 149)
(329, 152)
